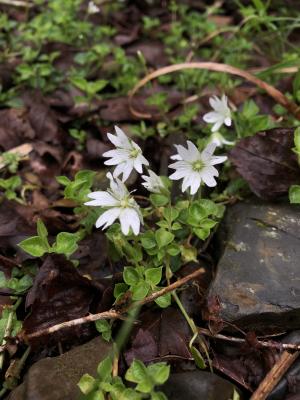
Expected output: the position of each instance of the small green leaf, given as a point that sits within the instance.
(294, 194)
(86, 383)
(104, 369)
(140, 290)
(164, 301)
(297, 139)
(66, 243)
(158, 396)
(35, 246)
(153, 276)
(148, 240)
(130, 276)
(170, 214)
(173, 249)
(159, 372)
(202, 233)
(63, 180)
(104, 328)
(159, 200)
(41, 229)
(120, 289)
(198, 357)
(137, 373)
(163, 237)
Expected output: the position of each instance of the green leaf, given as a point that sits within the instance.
(148, 240)
(188, 253)
(198, 357)
(297, 139)
(63, 180)
(164, 301)
(140, 290)
(16, 325)
(153, 276)
(163, 237)
(170, 214)
(173, 249)
(159, 200)
(66, 243)
(120, 289)
(86, 383)
(41, 229)
(158, 396)
(104, 328)
(250, 109)
(294, 194)
(159, 372)
(202, 233)
(196, 214)
(35, 246)
(104, 369)
(137, 373)
(130, 276)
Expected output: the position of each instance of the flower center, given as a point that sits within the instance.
(198, 165)
(124, 203)
(134, 153)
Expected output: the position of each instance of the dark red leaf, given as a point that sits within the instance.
(266, 161)
(164, 334)
(59, 294)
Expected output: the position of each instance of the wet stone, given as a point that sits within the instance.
(257, 285)
(56, 378)
(195, 385)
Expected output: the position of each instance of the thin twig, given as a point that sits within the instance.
(113, 314)
(278, 96)
(275, 374)
(262, 343)
(16, 3)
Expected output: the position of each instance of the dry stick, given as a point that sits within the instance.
(262, 343)
(112, 314)
(278, 96)
(273, 377)
(16, 3)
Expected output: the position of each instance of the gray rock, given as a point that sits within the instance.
(56, 378)
(195, 385)
(257, 283)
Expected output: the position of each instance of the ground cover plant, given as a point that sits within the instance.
(128, 129)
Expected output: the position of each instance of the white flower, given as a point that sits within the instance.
(120, 206)
(153, 182)
(195, 167)
(92, 8)
(127, 155)
(221, 114)
(219, 140)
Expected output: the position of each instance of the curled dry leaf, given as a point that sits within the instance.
(161, 335)
(266, 161)
(59, 293)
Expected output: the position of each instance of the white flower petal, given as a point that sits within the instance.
(103, 199)
(123, 139)
(128, 168)
(217, 160)
(227, 121)
(183, 153)
(108, 217)
(129, 218)
(194, 153)
(217, 126)
(208, 178)
(211, 117)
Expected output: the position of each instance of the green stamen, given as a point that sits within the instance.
(198, 165)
